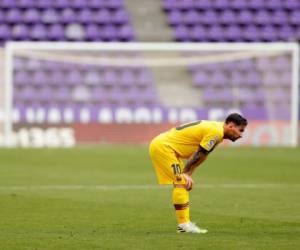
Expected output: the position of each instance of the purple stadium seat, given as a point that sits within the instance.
(169, 5)
(175, 17)
(281, 63)
(78, 4)
(279, 17)
(61, 4)
(26, 3)
(232, 33)
(56, 78)
(92, 77)
(252, 79)
(32, 64)
(286, 33)
(256, 4)
(286, 79)
(109, 33)
(120, 17)
(18, 64)
(259, 95)
(262, 17)
(215, 33)
(144, 78)
(68, 16)
(5, 32)
(110, 77)
(208, 95)
(39, 78)
(74, 77)
(239, 5)
(92, 32)
(221, 4)
(295, 17)
(20, 32)
(43, 4)
(56, 32)
(245, 17)
(95, 4)
(8, 3)
(38, 32)
(270, 79)
(268, 33)
(14, 16)
(22, 77)
(253, 111)
(274, 4)
(263, 63)
(236, 78)
(203, 4)
(45, 94)
(62, 94)
(185, 4)
(251, 33)
(127, 78)
(181, 33)
(84, 16)
(28, 93)
(228, 17)
(2, 16)
(200, 79)
(291, 4)
(98, 94)
(209, 17)
(31, 16)
(244, 65)
(245, 95)
(198, 33)
(50, 16)
(102, 16)
(191, 17)
(218, 78)
(125, 33)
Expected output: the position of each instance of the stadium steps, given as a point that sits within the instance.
(149, 21)
(174, 88)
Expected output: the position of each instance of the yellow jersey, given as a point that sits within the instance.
(187, 138)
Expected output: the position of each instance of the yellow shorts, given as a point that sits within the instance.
(166, 163)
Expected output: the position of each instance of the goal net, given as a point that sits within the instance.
(63, 94)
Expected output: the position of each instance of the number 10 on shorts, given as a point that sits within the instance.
(176, 169)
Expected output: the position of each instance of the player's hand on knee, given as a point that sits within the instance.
(189, 182)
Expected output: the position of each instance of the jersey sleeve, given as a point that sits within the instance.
(209, 141)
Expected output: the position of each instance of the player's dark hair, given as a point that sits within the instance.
(236, 119)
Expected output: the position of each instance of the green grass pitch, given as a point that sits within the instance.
(106, 197)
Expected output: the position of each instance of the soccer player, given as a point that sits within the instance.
(192, 141)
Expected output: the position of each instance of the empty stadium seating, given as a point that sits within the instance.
(63, 20)
(231, 20)
(55, 87)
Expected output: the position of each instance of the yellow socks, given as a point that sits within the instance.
(181, 204)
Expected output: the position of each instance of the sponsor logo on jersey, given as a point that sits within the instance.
(212, 142)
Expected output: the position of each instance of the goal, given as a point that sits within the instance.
(60, 94)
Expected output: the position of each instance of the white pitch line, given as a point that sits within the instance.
(129, 187)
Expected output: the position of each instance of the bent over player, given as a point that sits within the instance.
(192, 141)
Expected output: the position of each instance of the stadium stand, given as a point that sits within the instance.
(224, 20)
(58, 84)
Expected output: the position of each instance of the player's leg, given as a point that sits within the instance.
(168, 170)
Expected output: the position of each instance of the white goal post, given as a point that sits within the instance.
(184, 55)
